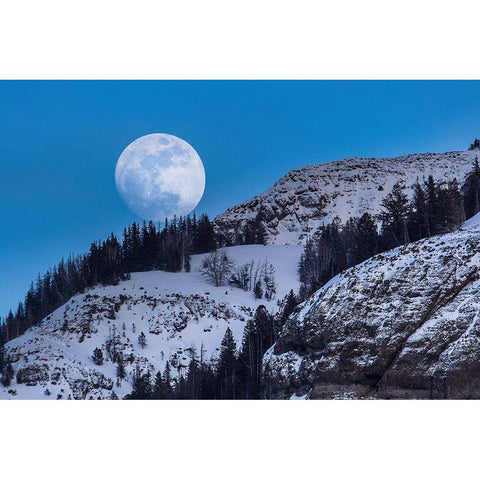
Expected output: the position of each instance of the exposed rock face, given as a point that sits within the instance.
(33, 374)
(404, 324)
(304, 199)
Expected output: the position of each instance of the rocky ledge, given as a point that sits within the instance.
(404, 324)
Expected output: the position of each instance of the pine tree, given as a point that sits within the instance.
(246, 366)
(167, 381)
(205, 236)
(97, 356)
(394, 215)
(289, 304)
(475, 145)
(471, 191)
(3, 358)
(258, 336)
(260, 234)
(451, 207)
(192, 385)
(308, 270)
(120, 370)
(365, 239)
(225, 371)
(158, 392)
(187, 263)
(7, 373)
(419, 220)
(142, 387)
(264, 328)
(142, 340)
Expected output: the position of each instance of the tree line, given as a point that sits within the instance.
(435, 208)
(148, 246)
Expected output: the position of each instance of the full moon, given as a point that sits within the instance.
(159, 176)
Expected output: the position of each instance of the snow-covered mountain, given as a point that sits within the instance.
(305, 198)
(180, 314)
(403, 324)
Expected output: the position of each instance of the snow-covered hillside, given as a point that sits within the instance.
(180, 313)
(305, 198)
(403, 324)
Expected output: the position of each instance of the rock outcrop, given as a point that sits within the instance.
(305, 198)
(404, 324)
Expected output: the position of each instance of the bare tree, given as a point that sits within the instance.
(269, 280)
(218, 267)
(241, 277)
(256, 276)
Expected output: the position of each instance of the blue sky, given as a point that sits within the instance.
(59, 143)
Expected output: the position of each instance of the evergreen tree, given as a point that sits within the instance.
(3, 358)
(142, 340)
(258, 337)
(309, 271)
(394, 216)
(419, 221)
(471, 191)
(187, 262)
(192, 383)
(120, 370)
(289, 304)
(167, 381)
(254, 232)
(158, 392)
(225, 372)
(97, 356)
(433, 203)
(475, 145)
(260, 234)
(206, 380)
(451, 207)
(142, 387)
(365, 239)
(7, 373)
(205, 236)
(247, 368)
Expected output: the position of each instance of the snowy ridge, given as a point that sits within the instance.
(403, 324)
(305, 198)
(179, 313)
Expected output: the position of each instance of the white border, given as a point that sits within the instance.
(249, 39)
(239, 439)
(307, 39)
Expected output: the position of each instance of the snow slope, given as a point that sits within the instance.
(403, 324)
(305, 198)
(178, 312)
(472, 223)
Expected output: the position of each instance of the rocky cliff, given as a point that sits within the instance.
(404, 324)
(305, 198)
